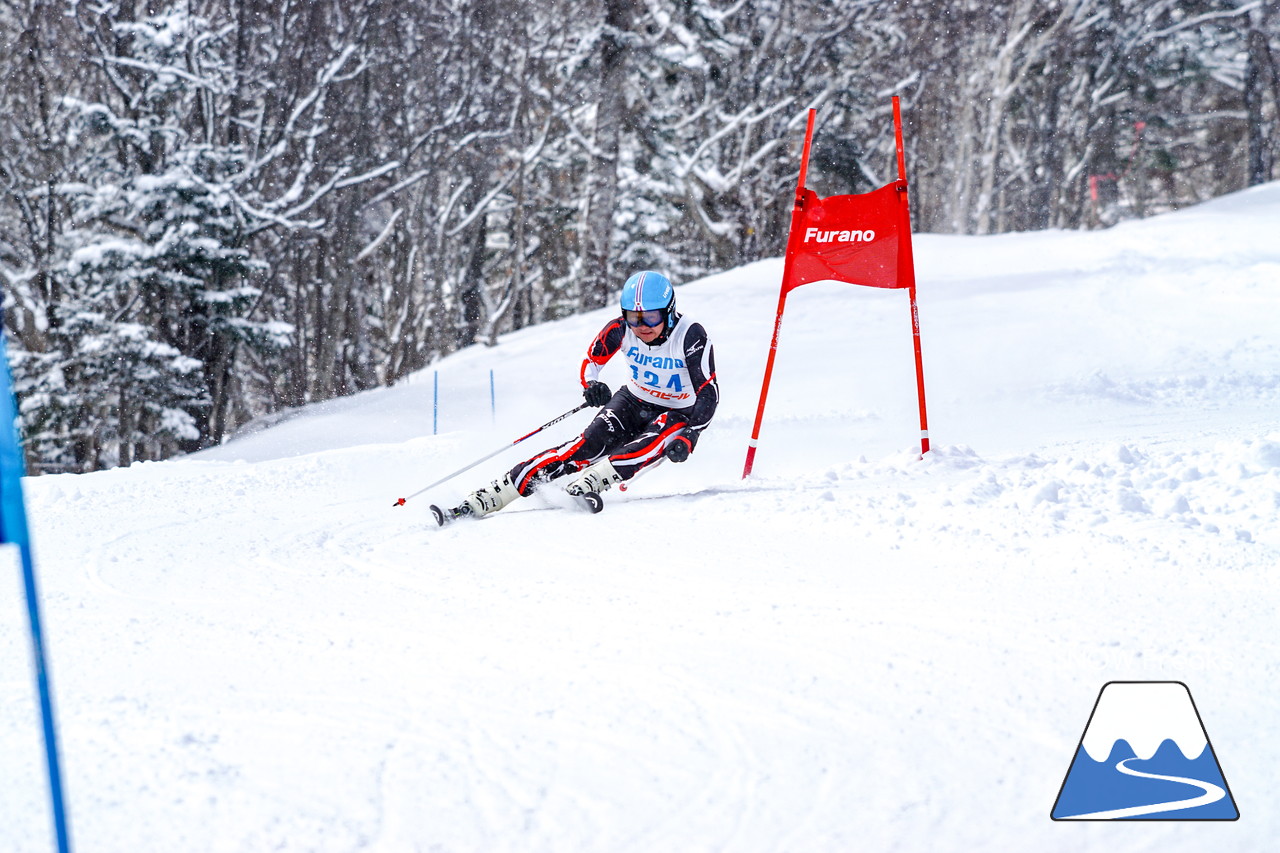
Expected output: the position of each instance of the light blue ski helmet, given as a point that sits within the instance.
(650, 291)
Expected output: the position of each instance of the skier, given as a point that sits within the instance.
(667, 402)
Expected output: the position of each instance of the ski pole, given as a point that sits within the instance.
(622, 487)
(573, 411)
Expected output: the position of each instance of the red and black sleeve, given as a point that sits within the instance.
(602, 348)
(700, 358)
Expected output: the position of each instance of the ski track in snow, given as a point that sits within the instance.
(856, 649)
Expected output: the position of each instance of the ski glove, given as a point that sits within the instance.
(596, 393)
(678, 449)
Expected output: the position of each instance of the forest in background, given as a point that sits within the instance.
(212, 211)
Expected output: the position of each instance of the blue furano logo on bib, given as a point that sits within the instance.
(1145, 755)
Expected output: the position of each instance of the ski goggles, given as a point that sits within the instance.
(644, 318)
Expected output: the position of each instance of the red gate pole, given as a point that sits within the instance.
(782, 298)
(906, 268)
(764, 389)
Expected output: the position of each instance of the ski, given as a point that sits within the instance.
(592, 500)
(448, 516)
(444, 516)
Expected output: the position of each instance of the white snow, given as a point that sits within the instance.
(856, 649)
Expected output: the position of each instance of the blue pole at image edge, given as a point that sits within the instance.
(13, 530)
(435, 404)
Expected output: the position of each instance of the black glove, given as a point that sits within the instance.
(678, 449)
(596, 393)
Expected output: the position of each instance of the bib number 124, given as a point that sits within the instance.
(653, 380)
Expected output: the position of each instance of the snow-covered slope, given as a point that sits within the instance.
(853, 650)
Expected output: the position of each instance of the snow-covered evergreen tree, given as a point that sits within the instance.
(156, 288)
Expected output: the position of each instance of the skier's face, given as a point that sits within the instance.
(647, 325)
(648, 334)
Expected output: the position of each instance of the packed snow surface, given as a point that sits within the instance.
(854, 649)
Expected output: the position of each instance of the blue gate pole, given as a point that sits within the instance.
(493, 400)
(435, 405)
(46, 703)
(13, 529)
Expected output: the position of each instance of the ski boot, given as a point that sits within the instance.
(591, 482)
(479, 503)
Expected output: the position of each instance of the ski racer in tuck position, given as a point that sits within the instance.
(667, 401)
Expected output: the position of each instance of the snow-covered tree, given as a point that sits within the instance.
(156, 287)
(186, 186)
